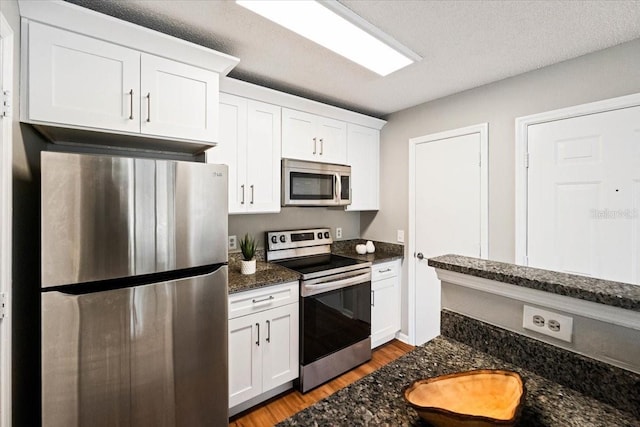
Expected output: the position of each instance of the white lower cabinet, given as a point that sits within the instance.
(263, 345)
(385, 302)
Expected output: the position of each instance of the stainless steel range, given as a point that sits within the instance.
(335, 303)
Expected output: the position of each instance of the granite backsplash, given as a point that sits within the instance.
(607, 383)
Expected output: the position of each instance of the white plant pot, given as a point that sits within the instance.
(248, 267)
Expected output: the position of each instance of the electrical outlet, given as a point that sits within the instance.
(548, 323)
(233, 243)
(400, 236)
(339, 233)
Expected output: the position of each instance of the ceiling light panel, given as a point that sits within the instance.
(320, 24)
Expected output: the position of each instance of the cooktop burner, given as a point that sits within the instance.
(320, 263)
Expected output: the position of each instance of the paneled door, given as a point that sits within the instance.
(178, 100)
(448, 215)
(81, 81)
(584, 195)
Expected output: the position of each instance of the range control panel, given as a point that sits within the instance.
(291, 239)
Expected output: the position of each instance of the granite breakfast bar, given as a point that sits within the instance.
(563, 388)
(377, 400)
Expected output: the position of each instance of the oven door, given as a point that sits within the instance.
(335, 318)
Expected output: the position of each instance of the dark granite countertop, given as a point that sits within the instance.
(376, 400)
(384, 251)
(267, 274)
(616, 294)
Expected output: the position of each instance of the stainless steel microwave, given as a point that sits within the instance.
(307, 183)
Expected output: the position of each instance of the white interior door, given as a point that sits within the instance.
(584, 195)
(448, 193)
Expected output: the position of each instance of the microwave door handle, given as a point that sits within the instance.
(338, 187)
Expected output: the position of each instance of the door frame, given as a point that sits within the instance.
(6, 161)
(522, 156)
(483, 130)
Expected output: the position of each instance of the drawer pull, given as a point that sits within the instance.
(386, 270)
(256, 301)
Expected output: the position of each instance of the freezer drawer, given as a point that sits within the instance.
(151, 355)
(107, 217)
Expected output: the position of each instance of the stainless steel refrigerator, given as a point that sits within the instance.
(134, 292)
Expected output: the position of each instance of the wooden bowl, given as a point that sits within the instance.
(478, 398)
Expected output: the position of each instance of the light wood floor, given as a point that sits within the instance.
(282, 407)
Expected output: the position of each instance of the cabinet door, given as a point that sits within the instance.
(280, 357)
(263, 158)
(232, 147)
(80, 81)
(332, 141)
(178, 100)
(363, 154)
(245, 358)
(299, 139)
(385, 302)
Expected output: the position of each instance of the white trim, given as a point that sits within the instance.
(6, 141)
(71, 17)
(483, 130)
(604, 313)
(270, 96)
(403, 337)
(522, 124)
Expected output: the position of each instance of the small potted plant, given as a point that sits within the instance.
(248, 248)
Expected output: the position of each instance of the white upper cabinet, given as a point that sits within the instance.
(88, 78)
(178, 100)
(263, 157)
(250, 146)
(78, 80)
(307, 136)
(363, 155)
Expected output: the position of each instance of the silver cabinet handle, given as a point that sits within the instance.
(373, 298)
(321, 145)
(268, 330)
(386, 270)
(242, 202)
(258, 340)
(314, 145)
(131, 104)
(269, 298)
(148, 106)
(252, 193)
(419, 255)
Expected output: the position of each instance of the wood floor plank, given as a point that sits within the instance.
(285, 405)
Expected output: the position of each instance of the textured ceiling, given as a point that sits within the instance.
(464, 44)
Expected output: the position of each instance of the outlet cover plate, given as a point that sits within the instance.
(548, 323)
(400, 236)
(233, 243)
(339, 233)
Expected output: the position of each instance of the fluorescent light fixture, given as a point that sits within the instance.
(336, 27)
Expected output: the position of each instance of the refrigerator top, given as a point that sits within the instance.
(105, 217)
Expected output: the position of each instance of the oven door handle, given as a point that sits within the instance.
(329, 285)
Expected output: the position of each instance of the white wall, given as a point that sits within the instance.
(605, 74)
(291, 218)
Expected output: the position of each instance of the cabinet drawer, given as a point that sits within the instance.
(384, 270)
(257, 300)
